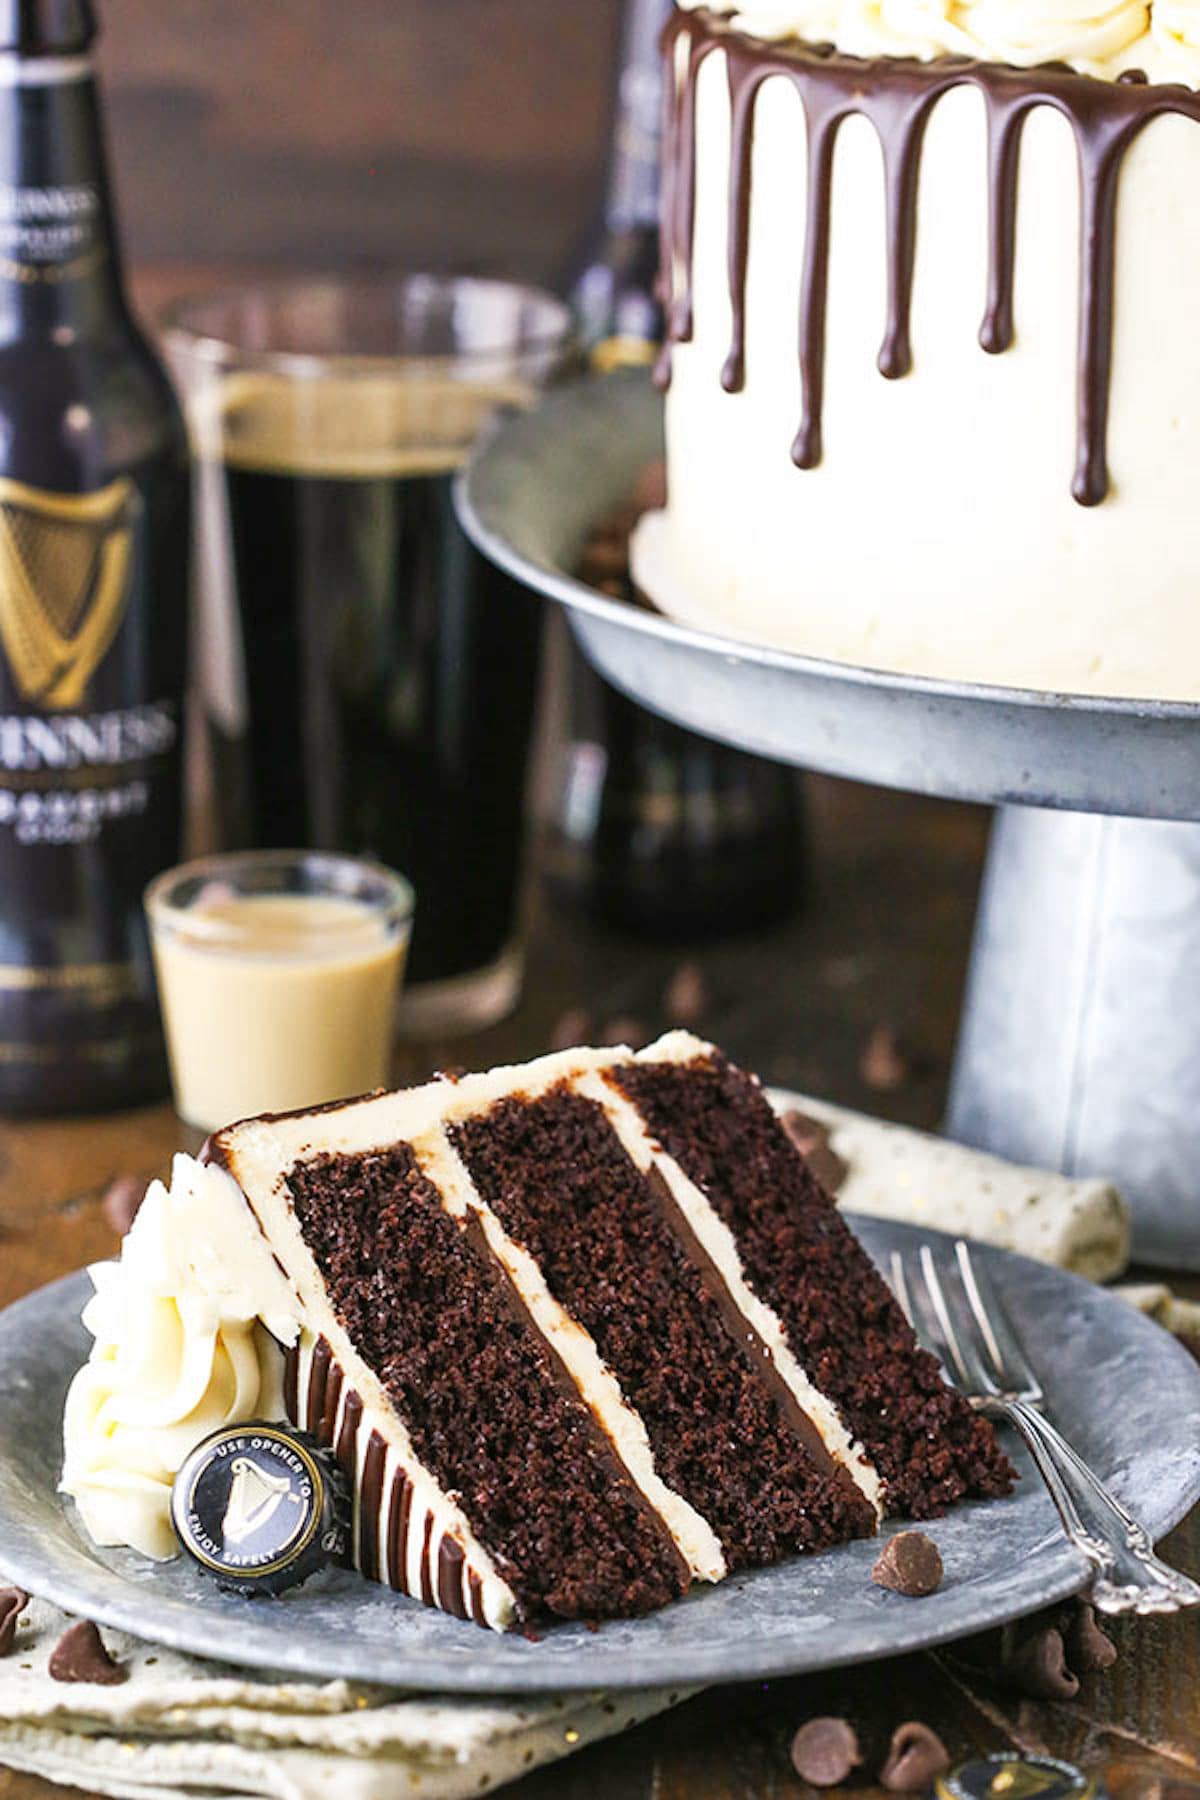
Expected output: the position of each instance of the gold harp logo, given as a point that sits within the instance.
(254, 1498)
(64, 584)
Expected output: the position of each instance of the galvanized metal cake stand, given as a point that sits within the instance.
(1079, 1047)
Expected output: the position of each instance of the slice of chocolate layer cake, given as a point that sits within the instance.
(581, 1332)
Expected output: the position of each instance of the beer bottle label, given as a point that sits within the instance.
(93, 560)
(66, 581)
(64, 584)
(88, 761)
(50, 233)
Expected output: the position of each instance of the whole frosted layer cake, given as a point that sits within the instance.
(581, 1332)
(932, 271)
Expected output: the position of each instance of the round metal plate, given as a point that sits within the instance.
(532, 493)
(1126, 1393)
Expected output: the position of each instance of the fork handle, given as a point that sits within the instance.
(1128, 1576)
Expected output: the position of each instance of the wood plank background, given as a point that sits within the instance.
(464, 134)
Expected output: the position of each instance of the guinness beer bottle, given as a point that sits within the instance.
(659, 830)
(93, 573)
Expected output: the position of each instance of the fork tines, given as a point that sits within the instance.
(952, 1305)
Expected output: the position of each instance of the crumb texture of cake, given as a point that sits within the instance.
(931, 295)
(483, 1405)
(581, 1333)
(802, 1257)
(563, 1186)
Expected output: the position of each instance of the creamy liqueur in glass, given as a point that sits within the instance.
(277, 975)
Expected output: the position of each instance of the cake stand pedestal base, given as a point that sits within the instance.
(1080, 1043)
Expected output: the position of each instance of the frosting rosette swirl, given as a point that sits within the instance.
(1025, 32)
(188, 1326)
(1093, 36)
(1175, 27)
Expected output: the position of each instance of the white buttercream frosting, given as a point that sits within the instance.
(1097, 37)
(187, 1325)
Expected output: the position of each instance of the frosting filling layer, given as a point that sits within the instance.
(562, 1185)
(800, 1256)
(480, 1397)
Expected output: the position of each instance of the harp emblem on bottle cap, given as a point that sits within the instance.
(261, 1507)
(254, 1497)
(64, 584)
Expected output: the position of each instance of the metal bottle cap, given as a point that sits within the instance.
(1007, 1776)
(261, 1507)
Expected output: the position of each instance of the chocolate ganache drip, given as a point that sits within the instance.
(1105, 116)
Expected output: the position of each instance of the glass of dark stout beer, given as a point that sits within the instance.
(367, 679)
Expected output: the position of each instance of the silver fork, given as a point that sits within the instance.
(955, 1311)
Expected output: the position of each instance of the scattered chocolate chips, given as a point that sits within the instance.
(13, 1601)
(80, 1655)
(570, 1030)
(650, 488)
(824, 1751)
(604, 560)
(686, 995)
(606, 557)
(1035, 1662)
(915, 1755)
(1044, 1655)
(121, 1201)
(811, 1139)
(1088, 1647)
(883, 1064)
(910, 1563)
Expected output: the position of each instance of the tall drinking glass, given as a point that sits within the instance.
(367, 679)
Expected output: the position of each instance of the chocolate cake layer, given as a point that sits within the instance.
(562, 1185)
(479, 1391)
(802, 1259)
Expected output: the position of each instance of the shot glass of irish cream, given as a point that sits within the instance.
(277, 976)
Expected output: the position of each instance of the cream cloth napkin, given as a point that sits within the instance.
(180, 1725)
(897, 1173)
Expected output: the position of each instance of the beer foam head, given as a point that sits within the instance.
(350, 424)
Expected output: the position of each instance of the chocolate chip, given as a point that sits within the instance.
(13, 1601)
(650, 489)
(806, 1133)
(1035, 1663)
(604, 557)
(811, 1139)
(570, 1030)
(80, 1655)
(1087, 1646)
(686, 996)
(121, 1200)
(910, 1563)
(915, 1755)
(824, 1751)
(883, 1064)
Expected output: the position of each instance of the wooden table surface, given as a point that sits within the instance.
(883, 940)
